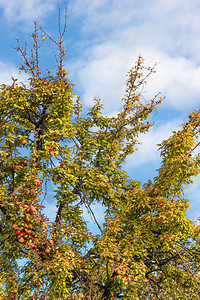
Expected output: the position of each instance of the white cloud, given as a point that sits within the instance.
(172, 21)
(166, 32)
(177, 78)
(102, 75)
(26, 11)
(8, 70)
(148, 150)
(106, 14)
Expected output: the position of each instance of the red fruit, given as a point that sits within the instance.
(18, 232)
(14, 226)
(28, 232)
(24, 142)
(14, 170)
(21, 240)
(23, 233)
(25, 162)
(15, 291)
(8, 154)
(47, 251)
(28, 210)
(32, 208)
(25, 226)
(27, 219)
(37, 182)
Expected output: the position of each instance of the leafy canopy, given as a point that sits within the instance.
(146, 247)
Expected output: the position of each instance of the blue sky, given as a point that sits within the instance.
(104, 39)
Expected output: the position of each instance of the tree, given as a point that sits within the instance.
(147, 248)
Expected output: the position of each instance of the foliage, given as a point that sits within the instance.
(146, 248)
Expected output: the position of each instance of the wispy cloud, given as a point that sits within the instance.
(172, 25)
(8, 70)
(148, 150)
(103, 76)
(166, 32)
(26, 11)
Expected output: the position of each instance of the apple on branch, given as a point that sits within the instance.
(21, 240)
(24, 142)
(27, 220)
(15, 291)
(47, 251)
(32, 208)
(14, 226)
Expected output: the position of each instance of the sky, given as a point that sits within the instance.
(103, 41)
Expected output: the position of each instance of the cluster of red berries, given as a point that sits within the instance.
(27, 229)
